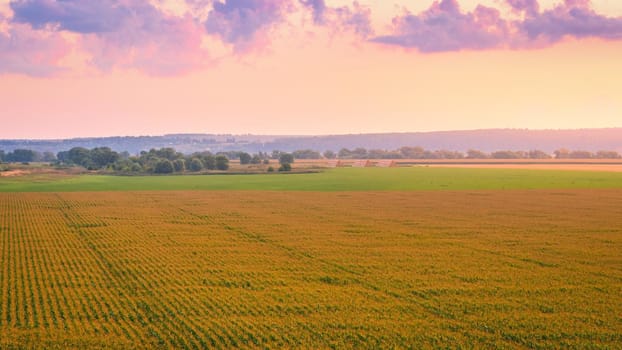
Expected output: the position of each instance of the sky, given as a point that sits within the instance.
(75, 68)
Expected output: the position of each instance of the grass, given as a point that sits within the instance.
(344, 179)
(249, 269)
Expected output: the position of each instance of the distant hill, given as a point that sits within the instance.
(485, 140)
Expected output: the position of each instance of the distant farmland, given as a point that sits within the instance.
(263, 269)
(340, 179)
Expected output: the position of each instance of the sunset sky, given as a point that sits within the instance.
(72, 68)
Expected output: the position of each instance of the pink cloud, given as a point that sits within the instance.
(573, 18)
(157, 45)
(242, 22)
(530, 6)
(121, 34)
(356, 18)
(135, 34)
(445, 27)
(31, 52)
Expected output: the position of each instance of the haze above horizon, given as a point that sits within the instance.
(255, 135)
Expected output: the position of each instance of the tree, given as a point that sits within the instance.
(245, 158)
(210, 162)
(344, 153)
(103, 156)
(256, 159)
(127, 165)
(328, 154)
(359, 153)
(505, 155)
(538, 154)
(306, 154)
(446, 154)
(80, 156)
(222, 162)
(196, 164)
(63, 156)
(412, 152)
(168, 153)
(377, 153)
(48, 157)
(562, 153)
(607, 155)
(475, 154)
(179, 165)
(164, 166)
(285, 167)
(21, 155)
(286, 158)
(2, 155)
(276, 154)
(581, 155)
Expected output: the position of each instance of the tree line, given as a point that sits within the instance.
(157, 161)
(421, 153)
(26, 156)
(168, 160)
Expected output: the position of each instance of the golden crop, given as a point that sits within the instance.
(256, 269)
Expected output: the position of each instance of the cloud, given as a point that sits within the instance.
(136, 34)
(318, 7)
(240, 22)
(72, 15)
(30, 52)
(531, 7)
(154, 43)
(356, 18)
(121, 34)
(573, 18)
(445, 27)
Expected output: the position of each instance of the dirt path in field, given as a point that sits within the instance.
(580, 167)
(13, 173)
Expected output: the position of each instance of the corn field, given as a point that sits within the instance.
(260, 269)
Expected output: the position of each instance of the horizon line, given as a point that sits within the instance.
(303, 135)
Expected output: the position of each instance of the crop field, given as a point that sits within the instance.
(306, 269)
(341, 179)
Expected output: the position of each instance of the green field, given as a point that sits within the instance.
(344, 179)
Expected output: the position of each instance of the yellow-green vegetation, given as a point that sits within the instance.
(471, 269)
(342, 179)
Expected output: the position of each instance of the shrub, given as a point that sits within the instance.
(245, 158)
(286, 158)
(255, 160)
(164, 166)
(179, 165)
(285, 167)
(196, 164)
(222, 163)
